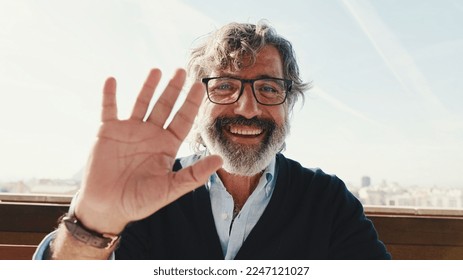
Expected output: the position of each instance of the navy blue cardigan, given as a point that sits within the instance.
(311, 215)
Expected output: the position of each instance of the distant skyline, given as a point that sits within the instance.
(385, 103)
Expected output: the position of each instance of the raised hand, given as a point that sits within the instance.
(129, 174)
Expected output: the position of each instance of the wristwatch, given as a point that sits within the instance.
(95, 239)
(80, 232)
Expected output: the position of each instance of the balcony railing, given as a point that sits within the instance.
(409, 233)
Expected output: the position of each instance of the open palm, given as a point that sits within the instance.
(129, 175)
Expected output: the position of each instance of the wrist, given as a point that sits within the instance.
(83, 234)
(94, 219)
(65, 246)
(94, 236)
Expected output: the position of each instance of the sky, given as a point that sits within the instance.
(387, 79)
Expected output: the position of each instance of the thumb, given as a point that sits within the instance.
(193, 176)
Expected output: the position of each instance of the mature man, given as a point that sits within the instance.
(238, 197)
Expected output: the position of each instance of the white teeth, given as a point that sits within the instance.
(245, 131)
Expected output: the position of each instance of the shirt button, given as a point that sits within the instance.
(224, 216)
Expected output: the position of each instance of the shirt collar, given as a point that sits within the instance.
(268, 175)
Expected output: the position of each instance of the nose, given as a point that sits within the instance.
(247, 105)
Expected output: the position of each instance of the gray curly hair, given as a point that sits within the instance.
(236, 45)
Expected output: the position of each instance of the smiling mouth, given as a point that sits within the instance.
(243, 130)
(246, 131)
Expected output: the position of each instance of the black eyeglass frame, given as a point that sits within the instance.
(288, 86)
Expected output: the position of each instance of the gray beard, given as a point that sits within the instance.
(239, 159)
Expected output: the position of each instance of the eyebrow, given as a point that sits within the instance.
(225, 75)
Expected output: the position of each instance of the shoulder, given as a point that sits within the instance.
(314, 188)
(314, 179)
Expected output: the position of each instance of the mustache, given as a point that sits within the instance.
(265, 124)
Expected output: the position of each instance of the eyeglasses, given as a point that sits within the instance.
(267, 91)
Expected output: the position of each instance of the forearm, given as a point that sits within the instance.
(67, 247)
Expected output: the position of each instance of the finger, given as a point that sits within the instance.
(109, 110)
(144, 97)
(185, 116)
(166, 101)
(193, 176)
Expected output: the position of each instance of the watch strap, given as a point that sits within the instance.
(87, 236)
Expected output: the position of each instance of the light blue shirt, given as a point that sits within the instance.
(232, 233)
